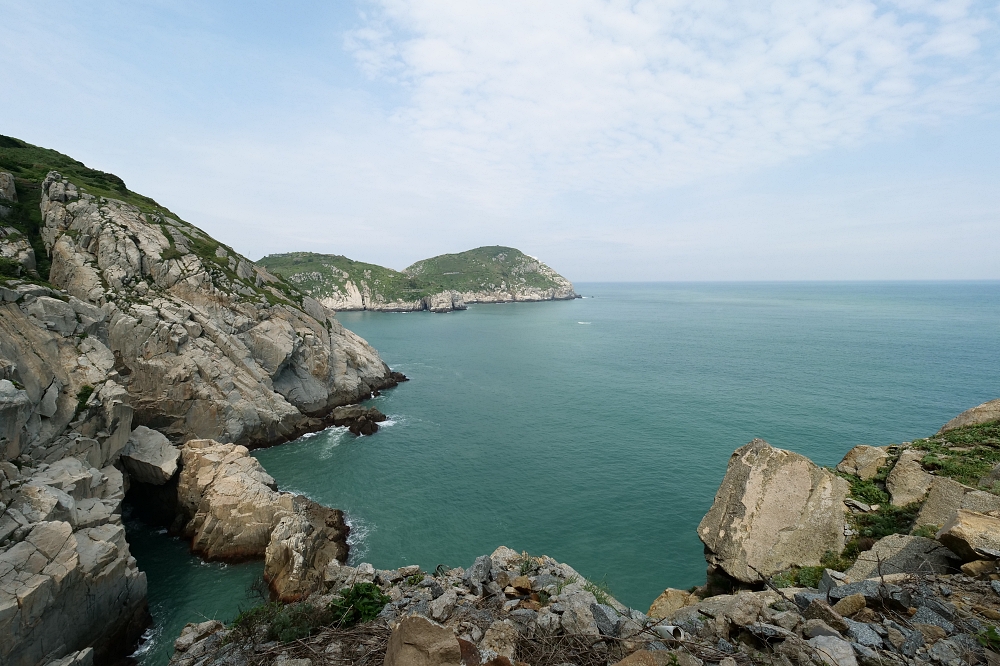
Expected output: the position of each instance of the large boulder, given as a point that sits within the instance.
(149, 457)
(984, 413)
(898, 553)
(908, 482)
(669, 602)
(972, 535)
(947, 496)
(774, 509)
(301, 547)
(417, 641)
(230, 503)
(863, 461)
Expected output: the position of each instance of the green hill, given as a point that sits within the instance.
(491, 274)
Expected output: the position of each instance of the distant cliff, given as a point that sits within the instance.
(493, 274)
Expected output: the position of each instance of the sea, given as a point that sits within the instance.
(597, 430)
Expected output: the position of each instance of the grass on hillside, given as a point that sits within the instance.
(30, 164)
(320, 274)
(964, 454)
(481, 269)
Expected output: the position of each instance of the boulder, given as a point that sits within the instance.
(908, 482)
(947, 496)
(972, 535)
(670, 601)
(229, 501)
(863, 461)
(301, 548)
(984, 413)
(149, 457)
(898, 553)
(774, 510)
(834, 651)
(56, 315)
(417, 641)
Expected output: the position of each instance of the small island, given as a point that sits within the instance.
(448, 282)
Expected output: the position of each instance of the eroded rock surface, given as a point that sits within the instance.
(978, 415)
(774, 509)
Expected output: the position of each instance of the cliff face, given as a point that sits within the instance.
(440, 284)
(208, 345)
(115, 315)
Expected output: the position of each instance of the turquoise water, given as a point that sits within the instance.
(597, 430)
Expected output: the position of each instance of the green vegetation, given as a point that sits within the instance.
(869, 492)
(322, 275)
(483, 269)
(9, 268)
(360, 603)
(82, 396)
(286, 623)
(989, 638)
(798, 577)
(415, 579)
(32, 163)
(964, 454)
(601, 591)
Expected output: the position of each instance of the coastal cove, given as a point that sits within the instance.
(597, 430)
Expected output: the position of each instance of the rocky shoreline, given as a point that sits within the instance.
(802, 569)
(152, 358)
(148, 333)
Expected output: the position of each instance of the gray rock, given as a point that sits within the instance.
(914, 641)
(984, 413)
(149, 457)
(925, 615)
(945, 652)
(478, 574)
(768, 632)
(995, 585)
(813, 628)
(863, 461)
(908, 482)
(55, 314)
(863, 633)
(608, 620)
(834, 651)
(898, 553)
(875, 592)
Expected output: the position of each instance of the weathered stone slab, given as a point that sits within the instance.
(972, 535)
(149, 457)
(908, 482)
(417, 641)
(898, 553)
(984, 413)
(775, 509)
(863, 461)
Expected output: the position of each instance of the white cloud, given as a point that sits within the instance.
(628, 96)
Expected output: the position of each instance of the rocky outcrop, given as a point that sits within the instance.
(301, 548)
(774, 509)
(898, 553)
(972, 535)
(864, 461)
(358, 419)
(206, 343)
(984, 413)
(231, 510)
(67, 580)
(417, 641)
(908, 482)
(947, 496)
(149, 457)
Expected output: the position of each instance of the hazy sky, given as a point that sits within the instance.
(642, 140)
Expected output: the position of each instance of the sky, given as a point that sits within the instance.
(615, 140)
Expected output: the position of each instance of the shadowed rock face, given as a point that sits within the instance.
(209, 344)
(774, 510)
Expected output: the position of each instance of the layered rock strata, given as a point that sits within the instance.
(207, 343)
(145, 319)
(231, 510)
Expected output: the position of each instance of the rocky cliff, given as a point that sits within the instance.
(440, 284)
(122, 328)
